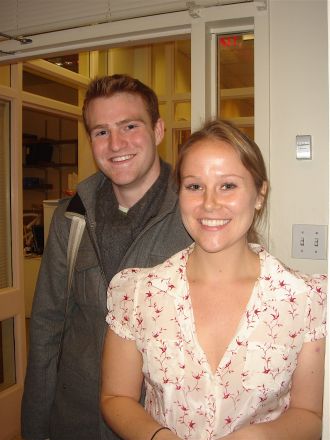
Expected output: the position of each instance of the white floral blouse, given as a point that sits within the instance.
(252, 382)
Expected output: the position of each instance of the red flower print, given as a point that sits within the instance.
(275, 315)
(228, 420)
(191, 424)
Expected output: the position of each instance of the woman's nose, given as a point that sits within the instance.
(211, 200)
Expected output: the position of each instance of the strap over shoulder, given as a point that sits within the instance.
(75, 212)
(75, 207)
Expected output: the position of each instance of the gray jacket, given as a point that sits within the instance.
(64, 405)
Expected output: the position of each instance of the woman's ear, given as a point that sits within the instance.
(262, 195)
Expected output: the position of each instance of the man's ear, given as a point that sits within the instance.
(159, 131)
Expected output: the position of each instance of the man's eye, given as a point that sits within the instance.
(130, 127)
(99, 133)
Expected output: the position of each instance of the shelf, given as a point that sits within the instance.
(27, 141)
(41, 165)
(38, 187)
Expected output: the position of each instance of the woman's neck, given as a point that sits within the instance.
(228, 265)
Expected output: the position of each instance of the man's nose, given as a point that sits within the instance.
(117, 140)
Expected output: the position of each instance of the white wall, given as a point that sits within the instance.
(298, 105)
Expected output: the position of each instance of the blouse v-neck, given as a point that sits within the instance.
(243, 328)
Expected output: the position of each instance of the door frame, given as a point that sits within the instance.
(12, 298)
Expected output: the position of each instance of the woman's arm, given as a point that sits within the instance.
(120, 392)
(303, 419)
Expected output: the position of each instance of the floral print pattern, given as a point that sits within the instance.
(252, 382)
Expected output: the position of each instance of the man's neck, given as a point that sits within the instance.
(128, 195)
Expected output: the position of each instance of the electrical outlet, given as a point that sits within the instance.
(309, 241)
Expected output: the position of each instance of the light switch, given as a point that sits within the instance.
(309, 241)
(303, 146)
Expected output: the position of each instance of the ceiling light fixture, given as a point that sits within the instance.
(22, 40)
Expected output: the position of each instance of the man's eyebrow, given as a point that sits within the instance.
(127, 121)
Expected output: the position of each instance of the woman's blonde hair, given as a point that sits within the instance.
(249, 153)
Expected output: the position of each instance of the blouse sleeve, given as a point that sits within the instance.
(120, 303)
(316, 308)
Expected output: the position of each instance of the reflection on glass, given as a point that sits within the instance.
(48, 88)
(182, 66)
(121, 60)
(234, 108)
(50, 154)
(5, 75)
(70, 62)
(7, 354)
(180, 135)
(159, 68)
(103, 62)
(182, 111)
(236, 80)
(5, 219)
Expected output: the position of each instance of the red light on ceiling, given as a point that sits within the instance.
(229, 41)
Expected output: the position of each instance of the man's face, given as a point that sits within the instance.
(124, 143)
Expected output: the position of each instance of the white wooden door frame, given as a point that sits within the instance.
(12, 299)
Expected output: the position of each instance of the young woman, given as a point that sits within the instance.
(228, 341)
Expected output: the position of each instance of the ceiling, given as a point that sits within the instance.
(21, 17)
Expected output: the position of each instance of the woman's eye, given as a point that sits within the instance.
(193, 187)
(228, 186)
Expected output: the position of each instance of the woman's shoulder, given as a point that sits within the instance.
(167, 268)
(279, 273)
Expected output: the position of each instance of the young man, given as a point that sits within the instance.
(132, 220)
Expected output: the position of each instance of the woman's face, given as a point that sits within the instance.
(218, 196)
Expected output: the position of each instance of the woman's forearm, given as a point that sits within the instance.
(294, 424)
(130, 421)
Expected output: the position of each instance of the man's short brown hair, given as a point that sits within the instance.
(107, 86)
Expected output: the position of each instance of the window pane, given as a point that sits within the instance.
(182, 112)
(50, 155)
(5, 220)
(158, 68)
(7, 354)
(236, 79)
(182, 66)
(69, 62)
(48, 88)
(5, 75)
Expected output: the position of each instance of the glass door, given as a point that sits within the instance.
(235, 54)
(12, 333)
